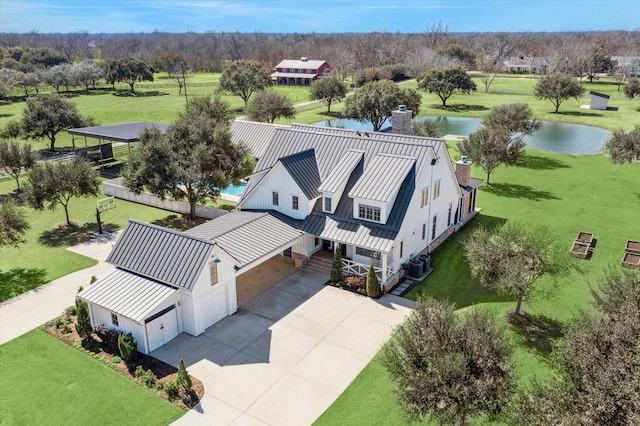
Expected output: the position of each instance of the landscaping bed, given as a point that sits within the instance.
(146, 370)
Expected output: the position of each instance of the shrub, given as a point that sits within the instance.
(355, 282)
(172, 389)
(373, 286)
(71, 310)
(127, 346)
(83, 322)
(362, 291)
(108, 335)
(336, 266)
(93, 279)
(65, 327)
(145, 376)
(183, 378)
(116, 359)
(58, 322)
(80, 289)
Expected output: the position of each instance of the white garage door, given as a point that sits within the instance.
(162, 329)
(217, 306)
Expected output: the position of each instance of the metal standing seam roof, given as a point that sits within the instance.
(302, 167)
(127, 132)
(330, 148)
(127, 294)
(162, 254)
(255, 135)
(247, 235)
(384, 136)
(300, 64)
(382, 178)
(341, 172)
(602, 95)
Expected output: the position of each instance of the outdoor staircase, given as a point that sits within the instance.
(321, 264)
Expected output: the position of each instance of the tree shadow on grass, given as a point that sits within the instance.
(15, 196)
(179, 223)
(5, 115)
(20, 280)
(461, 108)
(538, 332)
(514, 190)
(579, 113)
(535, 162)
(71, 236)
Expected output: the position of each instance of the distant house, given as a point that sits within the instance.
(598, 101)
(629, 66)
(525, 65)
(300, 72)
(381, 198)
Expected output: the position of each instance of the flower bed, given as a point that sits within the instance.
(633, 246)
(146, 370)
(580, 250)
(585, 237)
(631, 260)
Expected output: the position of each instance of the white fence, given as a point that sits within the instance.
(349, 267)
(115, 188)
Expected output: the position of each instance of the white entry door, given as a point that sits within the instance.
(162, 329)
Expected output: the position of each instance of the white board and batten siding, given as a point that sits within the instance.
(207, 304)
(280, 181)
(307, 245)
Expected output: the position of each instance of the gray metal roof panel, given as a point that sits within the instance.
(382, 178)
(162, 254)
(255, 135)
(303, 169)
(249, 235)
(127, 132)
(127, 294)
(341, 172)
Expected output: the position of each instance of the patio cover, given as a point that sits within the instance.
(127, 132)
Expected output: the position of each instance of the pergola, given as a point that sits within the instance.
(123, 133)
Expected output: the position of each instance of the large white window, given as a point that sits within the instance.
(367, 253)
(369, 212)
(436, 189)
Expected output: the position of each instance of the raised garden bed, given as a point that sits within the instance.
(633, 247)
(585, 237)
(631, 260)
(580, 250)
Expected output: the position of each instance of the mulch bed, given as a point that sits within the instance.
(103, 353)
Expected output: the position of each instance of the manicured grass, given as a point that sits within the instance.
(44, 256)
(568, 194)
(45, 382)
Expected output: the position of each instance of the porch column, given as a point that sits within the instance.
(383, 274)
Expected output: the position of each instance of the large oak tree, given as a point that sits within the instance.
(445, 82)
(328, 90)
(449, 366)
(375, 101)
(243, 78)
(268, 105)
(194, 160)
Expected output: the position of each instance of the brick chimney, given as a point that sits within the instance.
(401, 121)
(463, 171)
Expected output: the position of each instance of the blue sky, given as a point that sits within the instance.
(316, 16)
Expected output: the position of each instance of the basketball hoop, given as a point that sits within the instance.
(102, 206)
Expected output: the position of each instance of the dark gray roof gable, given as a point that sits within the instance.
(602, 95)
(303, 169)
(162, 254)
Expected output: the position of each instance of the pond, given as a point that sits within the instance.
(565, 138)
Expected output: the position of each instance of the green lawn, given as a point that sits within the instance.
(46, 382)
(567, 193)
(44, 256)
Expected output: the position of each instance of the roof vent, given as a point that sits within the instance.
(402, 108)
(304, 59)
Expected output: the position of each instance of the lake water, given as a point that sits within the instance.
(566, 138)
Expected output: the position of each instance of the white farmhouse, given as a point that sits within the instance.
(382, 198)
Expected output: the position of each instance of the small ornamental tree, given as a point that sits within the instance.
(624, 146)
(127, 346)
(183, 378)
(83, 321)
(373, 286)
(14, 157)
(267, 106)
(13, 224)
(632, 88)
(427, 128)
(336, 266)
(558, 88)
(328, 90)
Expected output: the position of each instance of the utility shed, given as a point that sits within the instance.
(598, 101)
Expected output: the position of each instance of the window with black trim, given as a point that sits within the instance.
(369, 212)
(424, 230)
(327, 204)
(275, 198)
(433, 228)
(367, 253)
(114, 319)
(294, 202)
(449, 215)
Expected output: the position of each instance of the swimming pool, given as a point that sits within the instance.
(565, 138)
(235, 190)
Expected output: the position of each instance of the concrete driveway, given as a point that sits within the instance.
(286, 355)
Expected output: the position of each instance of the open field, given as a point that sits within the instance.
(569, 194)
(48, 382)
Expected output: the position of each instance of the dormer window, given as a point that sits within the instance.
(327, 204)
(367, 212)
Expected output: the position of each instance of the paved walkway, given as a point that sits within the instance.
(286, 355)
(29, 310)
